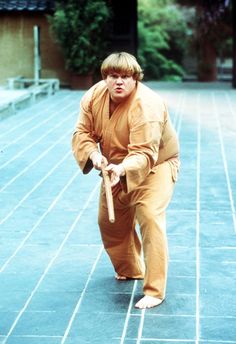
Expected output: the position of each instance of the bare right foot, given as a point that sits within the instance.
(120, 278)
(148, 302)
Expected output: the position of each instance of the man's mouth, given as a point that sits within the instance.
(119, 89)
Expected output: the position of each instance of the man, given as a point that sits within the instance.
(125, 126)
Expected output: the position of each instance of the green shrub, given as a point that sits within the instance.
(81, 30)
(162, 32)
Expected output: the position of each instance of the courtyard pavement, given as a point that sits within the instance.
(56, 282)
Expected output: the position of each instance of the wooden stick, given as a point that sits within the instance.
(109, 197)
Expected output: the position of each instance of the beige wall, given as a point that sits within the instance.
(17, 48)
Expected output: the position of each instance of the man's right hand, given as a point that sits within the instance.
(98, 160)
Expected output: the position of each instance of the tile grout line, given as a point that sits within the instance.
(143, 339)
(140, 330)
(180, 115)
(50, 263)
(128, 314)
(225, 162)
(81, 298)
(198, 220)
(53, 203)
(230, 106)
(185, 341)
(163, 315)
(168, 340)
(176, 113)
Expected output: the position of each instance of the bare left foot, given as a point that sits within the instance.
(120, 278)
(148, 302)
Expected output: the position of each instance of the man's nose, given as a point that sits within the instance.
(119, 80)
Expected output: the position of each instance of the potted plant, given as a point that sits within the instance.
(81, 30)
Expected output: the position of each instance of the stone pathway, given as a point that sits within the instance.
(56, 282)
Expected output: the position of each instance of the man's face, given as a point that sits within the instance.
(120, 86)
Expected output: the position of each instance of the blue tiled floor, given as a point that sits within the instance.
(56, 282)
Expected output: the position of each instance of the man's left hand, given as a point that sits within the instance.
(115, 172)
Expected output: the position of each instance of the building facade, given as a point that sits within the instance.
(17, 21)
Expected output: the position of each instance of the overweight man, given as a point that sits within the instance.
(125, 126)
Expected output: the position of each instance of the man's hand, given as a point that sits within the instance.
(115, 172)
(98, 160)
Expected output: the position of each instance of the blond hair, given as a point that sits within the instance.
(121, 63)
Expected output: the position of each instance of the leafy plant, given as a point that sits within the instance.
(162, 34)
(81, 30)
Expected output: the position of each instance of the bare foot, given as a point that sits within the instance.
(148, 302)
(120, 278)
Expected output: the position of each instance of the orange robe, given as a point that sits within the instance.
(140, 135)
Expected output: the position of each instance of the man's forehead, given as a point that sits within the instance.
(120, 71)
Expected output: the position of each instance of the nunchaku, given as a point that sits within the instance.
(109, 197)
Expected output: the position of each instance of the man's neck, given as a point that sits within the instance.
(112, 106)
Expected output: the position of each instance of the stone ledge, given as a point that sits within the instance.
(22, 92)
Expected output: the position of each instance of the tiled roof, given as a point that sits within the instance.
(26, 5)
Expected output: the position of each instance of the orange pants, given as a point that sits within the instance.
(146, 205)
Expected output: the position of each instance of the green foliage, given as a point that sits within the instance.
(162, 33)
(80, 28)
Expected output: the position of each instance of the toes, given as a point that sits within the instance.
(148, 302)
(119, 277)
(139, 305)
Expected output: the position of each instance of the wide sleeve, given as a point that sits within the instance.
(142, 153)
(84, 140)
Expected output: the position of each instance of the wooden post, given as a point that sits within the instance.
(37, 62)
